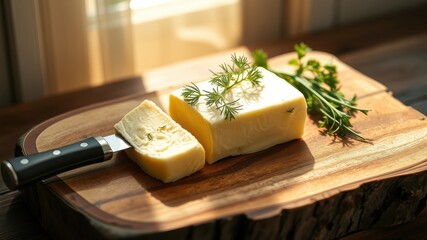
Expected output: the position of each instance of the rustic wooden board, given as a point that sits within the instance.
(316, 186)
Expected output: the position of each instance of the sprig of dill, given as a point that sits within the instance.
(230, 76)
(320, 86)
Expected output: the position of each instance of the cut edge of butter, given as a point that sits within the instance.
(160, 146)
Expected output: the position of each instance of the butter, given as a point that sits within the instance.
(272, 113)
(161, 147)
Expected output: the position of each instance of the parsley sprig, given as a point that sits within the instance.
(320, 86)
(230, 76)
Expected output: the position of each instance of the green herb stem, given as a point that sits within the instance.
(222, 83)
(330, 103)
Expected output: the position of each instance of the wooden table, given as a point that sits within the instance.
(399, 49)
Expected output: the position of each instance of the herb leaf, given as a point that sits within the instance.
(230, 76)
(320, 86)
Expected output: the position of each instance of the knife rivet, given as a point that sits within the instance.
(24, 161)
(83, 144)
(56, 152)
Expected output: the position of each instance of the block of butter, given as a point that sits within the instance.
(272, 113)
(161, 147)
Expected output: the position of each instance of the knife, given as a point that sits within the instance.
(20, 171)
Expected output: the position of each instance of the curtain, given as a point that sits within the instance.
(91, 42)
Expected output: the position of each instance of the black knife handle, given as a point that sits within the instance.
(22, 170)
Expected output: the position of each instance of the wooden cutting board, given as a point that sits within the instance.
(315, 187)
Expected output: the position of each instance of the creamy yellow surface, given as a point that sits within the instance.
(273, 113)
(161, 147)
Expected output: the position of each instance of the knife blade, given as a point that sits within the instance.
(19, 171)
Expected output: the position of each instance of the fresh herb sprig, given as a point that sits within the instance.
(230, 76)
(320, 87)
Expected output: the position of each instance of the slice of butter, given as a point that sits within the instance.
(161, 147)
(272, 113)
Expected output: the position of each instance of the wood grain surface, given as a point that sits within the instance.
(319, 179)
